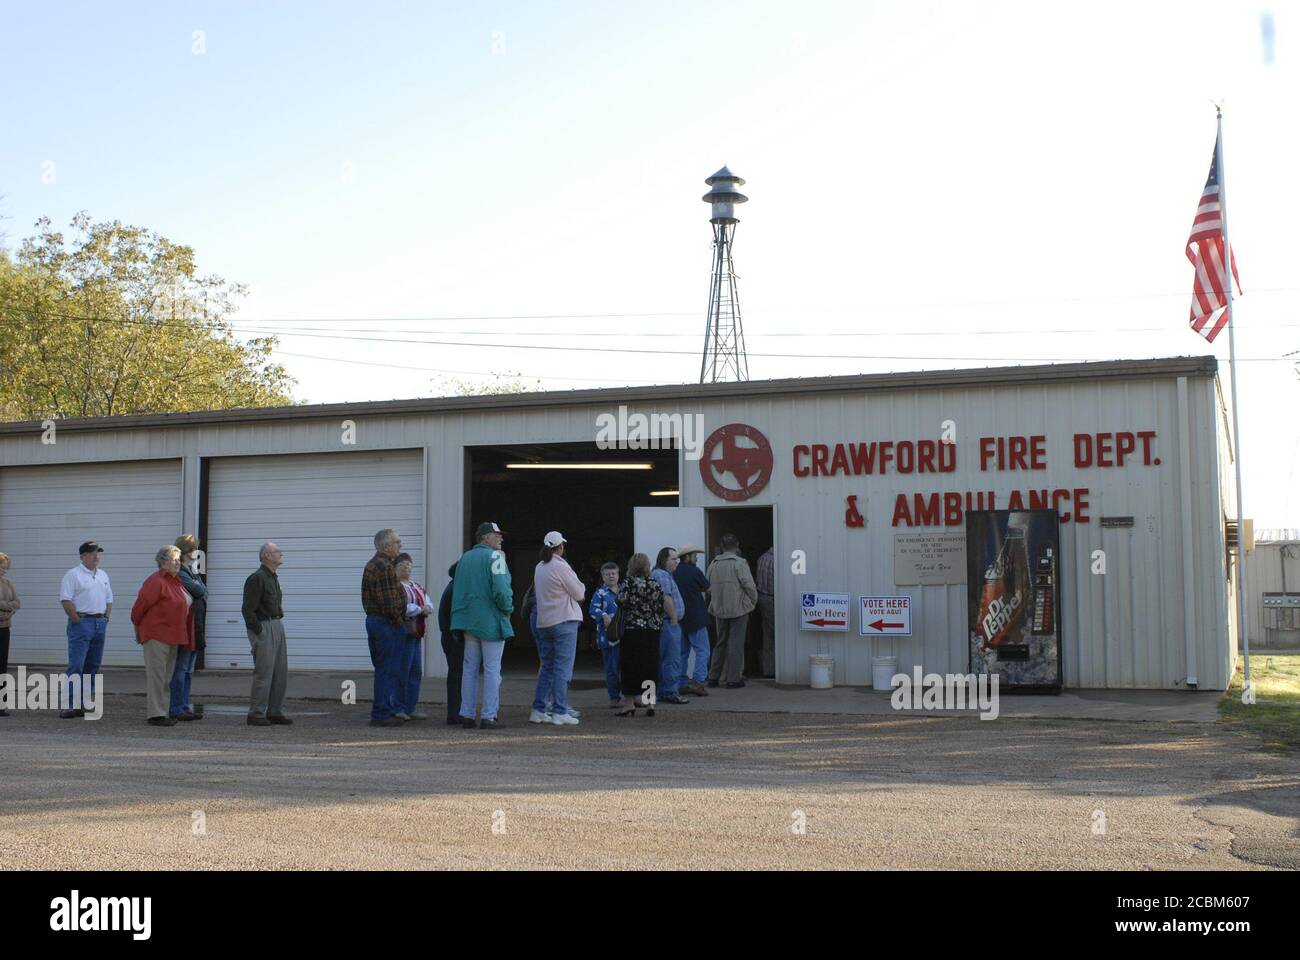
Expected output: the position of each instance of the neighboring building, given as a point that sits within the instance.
(1273, 583)
(1133, 454)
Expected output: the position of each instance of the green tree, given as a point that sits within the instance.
(118, 320)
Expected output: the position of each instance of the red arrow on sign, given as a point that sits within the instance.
(881, 625)
(822, 623)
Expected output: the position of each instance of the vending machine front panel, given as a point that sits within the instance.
(1013, 583)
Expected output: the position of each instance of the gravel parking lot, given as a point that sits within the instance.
(681, 790)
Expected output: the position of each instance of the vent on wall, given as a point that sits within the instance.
(1230, 533)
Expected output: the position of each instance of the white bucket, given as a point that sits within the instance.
(882, 672)
(821, 671)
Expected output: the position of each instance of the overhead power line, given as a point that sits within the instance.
(475, 373)
(803, 334)
(661, 352)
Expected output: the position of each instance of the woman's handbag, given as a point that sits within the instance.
(617, 626)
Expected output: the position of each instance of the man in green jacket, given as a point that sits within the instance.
(482, 600)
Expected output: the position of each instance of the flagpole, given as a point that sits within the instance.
(1242, 622)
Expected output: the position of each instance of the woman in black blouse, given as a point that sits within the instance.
(643, 605)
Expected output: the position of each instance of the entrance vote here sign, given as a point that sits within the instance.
(824, 611)
(885, 616)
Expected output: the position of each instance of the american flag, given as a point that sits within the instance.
(1205, 250)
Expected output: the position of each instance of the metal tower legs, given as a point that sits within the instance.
(724, 337)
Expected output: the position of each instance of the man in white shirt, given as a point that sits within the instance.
(87, 599)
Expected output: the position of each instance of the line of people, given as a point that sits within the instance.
(664, 620)
(662, 616)
(168, 619)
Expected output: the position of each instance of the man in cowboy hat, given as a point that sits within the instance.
(694, 586)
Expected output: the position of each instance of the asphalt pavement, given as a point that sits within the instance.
(695, 787)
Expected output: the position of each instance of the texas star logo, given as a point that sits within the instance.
(737, 461)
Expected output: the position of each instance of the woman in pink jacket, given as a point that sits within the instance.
(559, 595)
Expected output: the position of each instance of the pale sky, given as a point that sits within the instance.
(931, 184)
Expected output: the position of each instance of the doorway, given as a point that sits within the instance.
(586, 493)
(752, 526)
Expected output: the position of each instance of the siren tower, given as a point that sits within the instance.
(724, 339)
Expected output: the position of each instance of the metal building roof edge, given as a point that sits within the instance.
(925, 379)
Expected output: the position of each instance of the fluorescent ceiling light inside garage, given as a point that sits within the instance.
(664, 493)
(579, 466)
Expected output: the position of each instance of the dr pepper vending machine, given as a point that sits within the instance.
(1013, 582)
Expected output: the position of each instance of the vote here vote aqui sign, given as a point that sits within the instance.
(885, 616)
(824, 611)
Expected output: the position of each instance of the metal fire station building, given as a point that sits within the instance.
(860, 483)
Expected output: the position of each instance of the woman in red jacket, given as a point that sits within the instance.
(164, 623)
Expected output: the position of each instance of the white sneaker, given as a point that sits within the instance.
(575, 714)
(564, 719)
(538, 717)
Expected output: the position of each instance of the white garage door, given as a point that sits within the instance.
(131, 509)
(323, 511)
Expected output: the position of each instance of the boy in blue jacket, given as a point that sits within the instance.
(604, 604)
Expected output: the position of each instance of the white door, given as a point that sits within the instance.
(130, 508)
(656, 527)
(323, 511)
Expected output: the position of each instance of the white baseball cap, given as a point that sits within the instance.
(554, 539)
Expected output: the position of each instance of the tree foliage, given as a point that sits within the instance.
(118, 320)
(457, 387)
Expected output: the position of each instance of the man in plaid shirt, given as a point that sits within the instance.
(384, 601)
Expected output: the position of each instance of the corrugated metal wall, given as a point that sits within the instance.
(1124, 628)
(1264, 574)
(130, 508)
(323, 512)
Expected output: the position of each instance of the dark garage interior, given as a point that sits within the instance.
(590, 505)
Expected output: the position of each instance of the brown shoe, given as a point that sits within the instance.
(695, 689)
(254, 721)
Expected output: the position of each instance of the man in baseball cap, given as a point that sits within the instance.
(87, 599)
(482, 600)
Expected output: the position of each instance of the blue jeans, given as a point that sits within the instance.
(697, 640)
(85, 653)
(557, 645)
(181, 681)
(488, 654)
(613, 679)
(388, 653)
(670, 651)
(412, 673)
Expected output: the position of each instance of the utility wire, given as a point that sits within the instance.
(482, 373)
(693, 353)
(1038, 331)
(272, 329)
(657, 352)
(802, 311)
